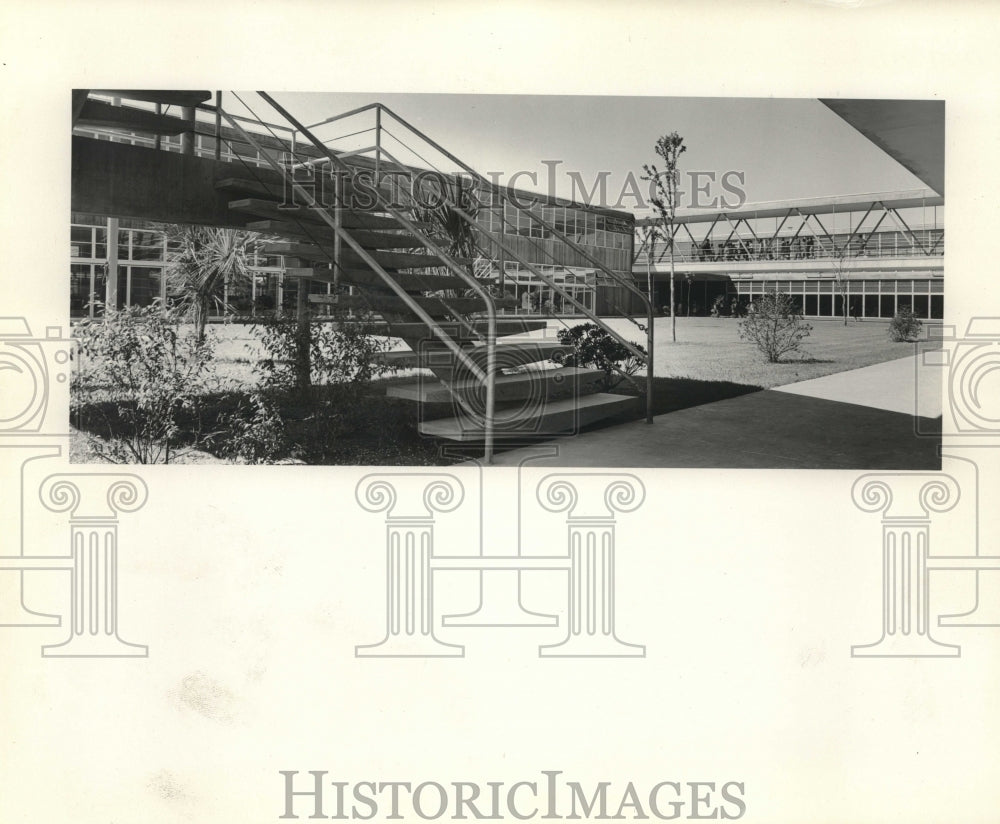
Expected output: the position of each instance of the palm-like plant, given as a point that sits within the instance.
(199, 260)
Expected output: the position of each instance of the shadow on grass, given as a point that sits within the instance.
(332, 425)
(329, 426)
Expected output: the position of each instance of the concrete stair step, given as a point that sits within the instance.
(310, 217)
(416, 333)
(564, 416)
(509, 355)
(435, 307)
(324, 235)
(351, 259)
(547, 383)
(410, 281)
(268, 184)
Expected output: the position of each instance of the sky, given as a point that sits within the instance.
(774, 149)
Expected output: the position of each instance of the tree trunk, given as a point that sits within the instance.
(200, 317)
(649, 284)
(673, 312)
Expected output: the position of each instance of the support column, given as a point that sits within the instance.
(591, 548)
(187, 137)
(111, 284)
(906, 503)
(94, 502)
(410, 502)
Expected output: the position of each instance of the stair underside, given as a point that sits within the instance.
(310, 217)
(410, 281)
(325, 235)
(435, 307)
(560, 417)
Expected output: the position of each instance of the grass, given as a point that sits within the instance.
(710, 349)
(708, 362)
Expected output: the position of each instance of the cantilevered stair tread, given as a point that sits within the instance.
(350, 219)
(351, 259)
(559, 417)
(435, 307)
(532, 383)
(410, 281)
(325, 235)
(435, 356)
(505, 326)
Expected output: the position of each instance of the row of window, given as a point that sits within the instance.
(585, 228)
(865, 299)
(853, 287)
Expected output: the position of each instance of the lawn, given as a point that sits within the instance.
(710, 349)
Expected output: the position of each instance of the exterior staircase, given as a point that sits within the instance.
(337, 224)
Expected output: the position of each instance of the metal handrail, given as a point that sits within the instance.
(493, 189)
(489, 377)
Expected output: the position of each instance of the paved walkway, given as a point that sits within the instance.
(861, 419)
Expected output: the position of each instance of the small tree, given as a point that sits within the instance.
(199, 260)
(774, 326)
(841, 276)
(666, 185)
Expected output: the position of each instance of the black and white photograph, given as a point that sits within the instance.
(465, 411)
(628, 281)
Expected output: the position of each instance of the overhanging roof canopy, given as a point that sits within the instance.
(909, 131)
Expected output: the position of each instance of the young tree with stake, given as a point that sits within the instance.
(665, 183)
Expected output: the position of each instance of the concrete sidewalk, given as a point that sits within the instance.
(851, 420)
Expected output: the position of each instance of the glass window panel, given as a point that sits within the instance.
(936, 286)
(937, 307)
(826, 305)
(811, 304)
(921, 306)
(871, 305)
(887, 306)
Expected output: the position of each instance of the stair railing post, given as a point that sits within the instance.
(378, 145)
(649, 362)
(491, 379)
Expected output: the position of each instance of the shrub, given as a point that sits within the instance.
(340, 353)
(774, 326)
(904, 326)
(139, 376)
(593, 346)
(254, 432)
